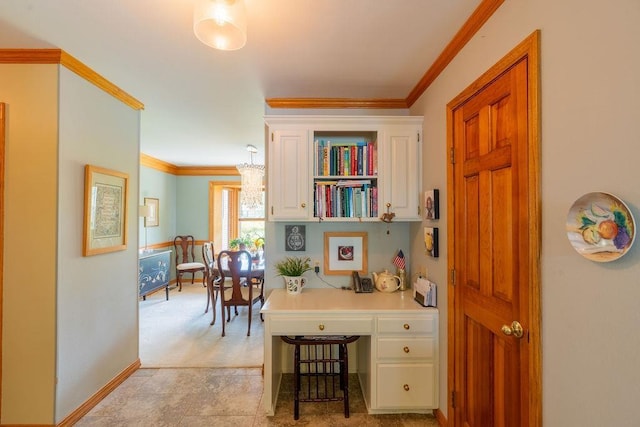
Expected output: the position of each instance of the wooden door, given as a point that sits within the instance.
(493, 181)
(2, 145)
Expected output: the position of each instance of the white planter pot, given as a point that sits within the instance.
(294, 284)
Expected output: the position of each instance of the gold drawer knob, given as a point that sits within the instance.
(321, 327)
(304, 205)
(406, 326)
(406, 349)
(406, 387)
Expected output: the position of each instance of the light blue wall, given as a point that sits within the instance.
(193, 206)
(382, 247)
(162, 186)
(184, 207)
(97, 310)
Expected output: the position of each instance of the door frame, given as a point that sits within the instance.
(529, 49)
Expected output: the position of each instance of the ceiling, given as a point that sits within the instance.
(203, 106)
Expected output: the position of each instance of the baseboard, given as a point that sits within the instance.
(442, 420)
(84, 409)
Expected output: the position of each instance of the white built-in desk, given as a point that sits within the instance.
(397, 353)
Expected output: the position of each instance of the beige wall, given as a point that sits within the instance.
(590, 83)
(28, 362)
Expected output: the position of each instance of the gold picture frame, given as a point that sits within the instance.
(153, 220)
(105, 210)
(345, 252)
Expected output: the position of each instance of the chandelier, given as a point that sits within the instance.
(251, 174)
(221, 24)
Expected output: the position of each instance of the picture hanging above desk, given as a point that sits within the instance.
(345, 252)
(295, 238)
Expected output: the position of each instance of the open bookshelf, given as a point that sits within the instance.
(345, 174)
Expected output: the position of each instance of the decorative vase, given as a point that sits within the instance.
(294, 284)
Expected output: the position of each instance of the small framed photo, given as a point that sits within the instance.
(295, 238)
(105, 211)
(431, 241)
(431, 204)
(345, 252)
(153, 220)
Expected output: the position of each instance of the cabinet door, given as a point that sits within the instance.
(289, 176)
(401, 172)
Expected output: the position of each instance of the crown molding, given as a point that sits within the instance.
(336, 103)
(208, 171)
(477, 19)
(159, 165)
(162, 166)
(471, 26)
(59, 56)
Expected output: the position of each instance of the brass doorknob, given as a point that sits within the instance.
(304, 205)
(515, 329)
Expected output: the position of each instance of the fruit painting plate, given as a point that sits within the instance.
(600, 227)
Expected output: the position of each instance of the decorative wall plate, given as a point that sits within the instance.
(600, 227)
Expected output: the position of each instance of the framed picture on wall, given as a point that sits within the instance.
(153, 220)
(345, 252)
(295, 238)
(431, 204)
(105, 211)
(431, 241)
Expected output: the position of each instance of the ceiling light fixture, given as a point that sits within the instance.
(251, 174)
(221, 24)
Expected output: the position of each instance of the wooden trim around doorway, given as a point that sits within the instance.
(2, 143)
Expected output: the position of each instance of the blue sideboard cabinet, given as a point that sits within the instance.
(153, 272)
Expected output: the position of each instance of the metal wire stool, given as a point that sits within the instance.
(323, 366)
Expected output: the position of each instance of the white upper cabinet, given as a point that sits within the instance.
(343, 168)
(288, 175)
(401, 172)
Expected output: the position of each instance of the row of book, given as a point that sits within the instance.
(345, 158)
(345, 199)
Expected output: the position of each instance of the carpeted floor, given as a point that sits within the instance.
(177, 333)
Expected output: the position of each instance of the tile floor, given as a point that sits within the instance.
(223, 397)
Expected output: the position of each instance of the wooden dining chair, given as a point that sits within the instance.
(185, 259)
(234, 268)
(212, 278)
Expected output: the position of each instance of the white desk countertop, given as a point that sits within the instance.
(330, 300)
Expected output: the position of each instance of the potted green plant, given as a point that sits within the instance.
(292, 269)
(240, 243)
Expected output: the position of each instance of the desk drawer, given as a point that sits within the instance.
(407, 325)
(406, 386)
(406, 348)
(329, 325)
